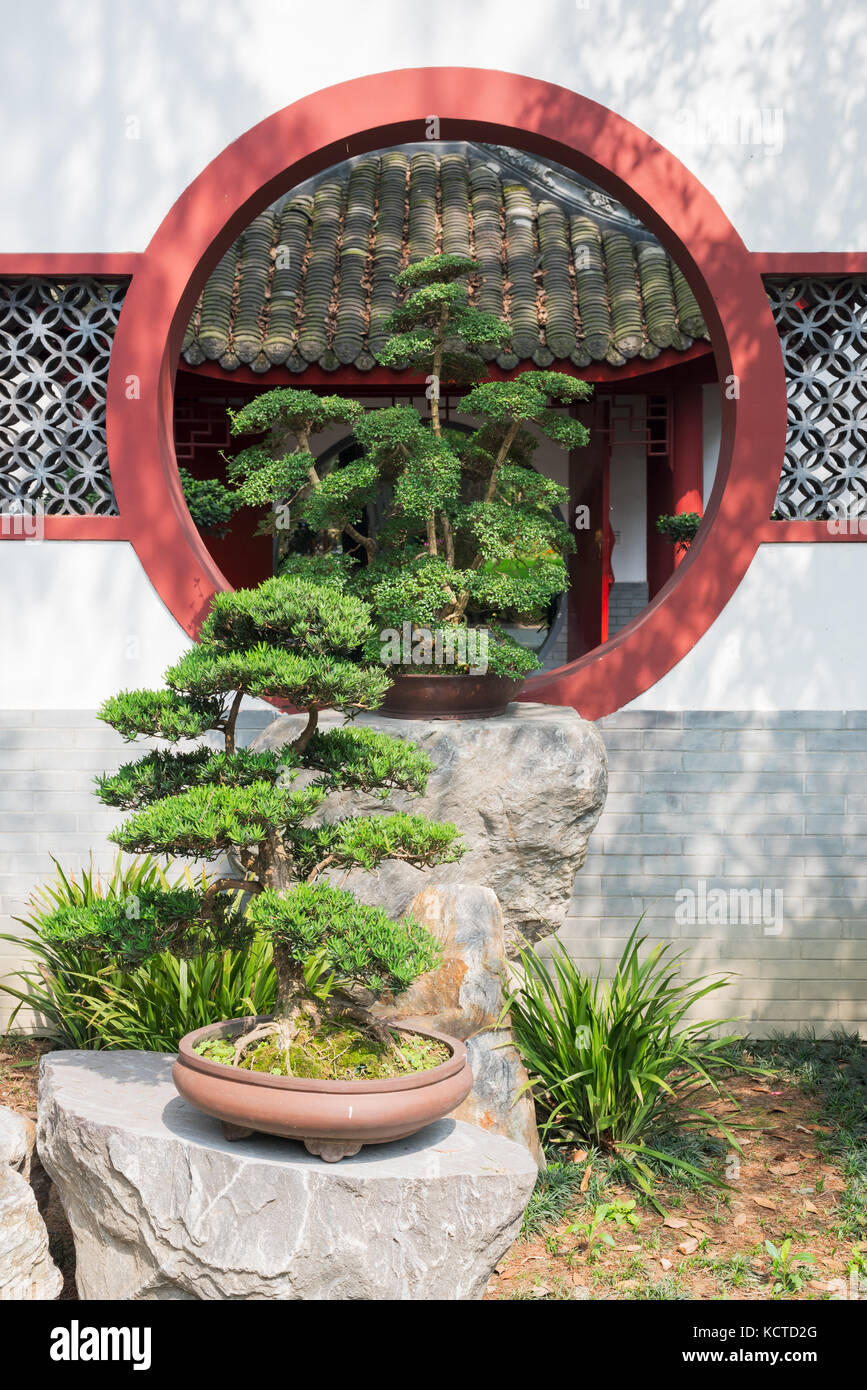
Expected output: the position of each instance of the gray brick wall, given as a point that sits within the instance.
(626, 599)
(763, 803)
(758, 802)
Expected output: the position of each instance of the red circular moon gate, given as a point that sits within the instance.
(370, 113)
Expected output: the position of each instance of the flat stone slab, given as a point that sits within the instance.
(162, 1207)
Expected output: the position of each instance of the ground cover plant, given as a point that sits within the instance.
(790, 1223)
(437, 526)
(83, 1000)
(303, 643)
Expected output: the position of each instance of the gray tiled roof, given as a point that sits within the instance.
(312, 280)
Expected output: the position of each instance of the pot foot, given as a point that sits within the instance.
(235, 1131)
(330, 1150)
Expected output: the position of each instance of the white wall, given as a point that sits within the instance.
(186, 77)
(790, 638)
(80, 620)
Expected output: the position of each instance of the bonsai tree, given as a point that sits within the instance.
(468, 530)
(299, 642)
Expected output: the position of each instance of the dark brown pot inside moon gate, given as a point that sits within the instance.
(332, 1119)
(429, 696)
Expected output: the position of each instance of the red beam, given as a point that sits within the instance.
(67, 528)
(810, 262)
(56, 265)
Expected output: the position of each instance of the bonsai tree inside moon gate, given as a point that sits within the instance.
(443, 528)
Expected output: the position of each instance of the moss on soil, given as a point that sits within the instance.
(335, 1053)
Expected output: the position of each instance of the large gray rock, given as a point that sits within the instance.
(525, 790)
(27, 1270)
(18, 1151)
(162, 1207)
(17, 1141)
(464, 996)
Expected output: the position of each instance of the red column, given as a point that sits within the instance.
(687, 452)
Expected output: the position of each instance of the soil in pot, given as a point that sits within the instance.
(333, 1053)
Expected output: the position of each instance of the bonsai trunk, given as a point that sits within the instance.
(294, 1006)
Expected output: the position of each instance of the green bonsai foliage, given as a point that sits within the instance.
(304, 643)
(468, 533)
(212, 505)
(680, 529)
(281, 468)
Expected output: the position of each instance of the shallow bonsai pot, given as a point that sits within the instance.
(428, 696)
(332, 1119)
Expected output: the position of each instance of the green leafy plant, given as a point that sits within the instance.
(787, 1277)
(84, 1001)
(617, 1212)
(304, 643)
(614, 1064)
(680, 529)
(212, 505)
(468, 531)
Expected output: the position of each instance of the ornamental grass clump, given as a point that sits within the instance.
(302, 643)
(83, 998)
(614, 1064)
(437, 526)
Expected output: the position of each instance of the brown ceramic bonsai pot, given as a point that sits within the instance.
(332, 1119)
(429, 696)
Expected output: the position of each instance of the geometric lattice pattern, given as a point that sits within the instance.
(823, 331)
(55, 343)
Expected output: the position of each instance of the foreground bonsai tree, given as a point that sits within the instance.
(467, 530)
(301, 643)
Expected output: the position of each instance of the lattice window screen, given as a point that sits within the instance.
(823, 331)
(55, 343)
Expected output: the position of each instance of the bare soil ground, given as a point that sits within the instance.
(801, 1177)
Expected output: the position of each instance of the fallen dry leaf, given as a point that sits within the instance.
(811, 1206)
(631, 1249)
(585, 1181)
(740, 1219)
(665, 1264)
(579, 1155)
(784, 1170)
(689, 1245)
(675, 1223)
(764, 1202)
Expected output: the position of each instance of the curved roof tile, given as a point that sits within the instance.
(312, 280)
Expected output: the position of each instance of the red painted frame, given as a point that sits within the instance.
(393, 108)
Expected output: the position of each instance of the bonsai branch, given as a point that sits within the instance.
(219, 885)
